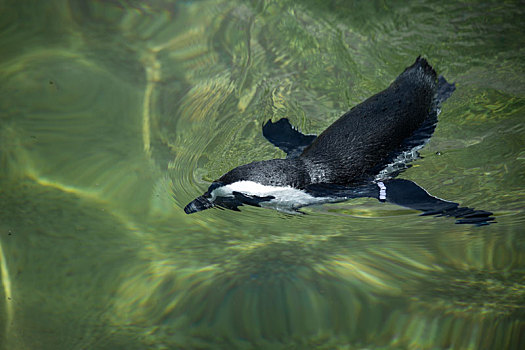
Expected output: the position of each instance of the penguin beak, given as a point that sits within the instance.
(198, 204)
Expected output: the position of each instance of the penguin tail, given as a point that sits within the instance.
(423, 63)
(444, 90)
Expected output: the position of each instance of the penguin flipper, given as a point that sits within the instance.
(239, 199)
(406, 194)
(252, 200)
(410, 195)
(230, 203)
(284, 136)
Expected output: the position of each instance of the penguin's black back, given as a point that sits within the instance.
(364, 137)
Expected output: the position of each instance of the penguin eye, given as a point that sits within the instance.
(213, 186)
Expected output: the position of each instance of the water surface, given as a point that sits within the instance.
(115, 114)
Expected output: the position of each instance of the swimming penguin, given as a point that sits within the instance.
(359, 155)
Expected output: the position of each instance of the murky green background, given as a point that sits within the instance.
(115, 114)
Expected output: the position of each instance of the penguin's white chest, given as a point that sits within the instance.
(285, 198)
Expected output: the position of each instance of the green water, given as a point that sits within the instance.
(115, 114)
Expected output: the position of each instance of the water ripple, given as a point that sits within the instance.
(116, 114)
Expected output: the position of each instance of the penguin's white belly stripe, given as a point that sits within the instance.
(285, 197)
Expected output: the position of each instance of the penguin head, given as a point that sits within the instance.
(203, 202)
(249, 184)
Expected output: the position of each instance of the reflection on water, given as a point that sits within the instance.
(114, 115)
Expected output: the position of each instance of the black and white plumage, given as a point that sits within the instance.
(357, 156)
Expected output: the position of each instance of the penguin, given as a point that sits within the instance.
(359, 155)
